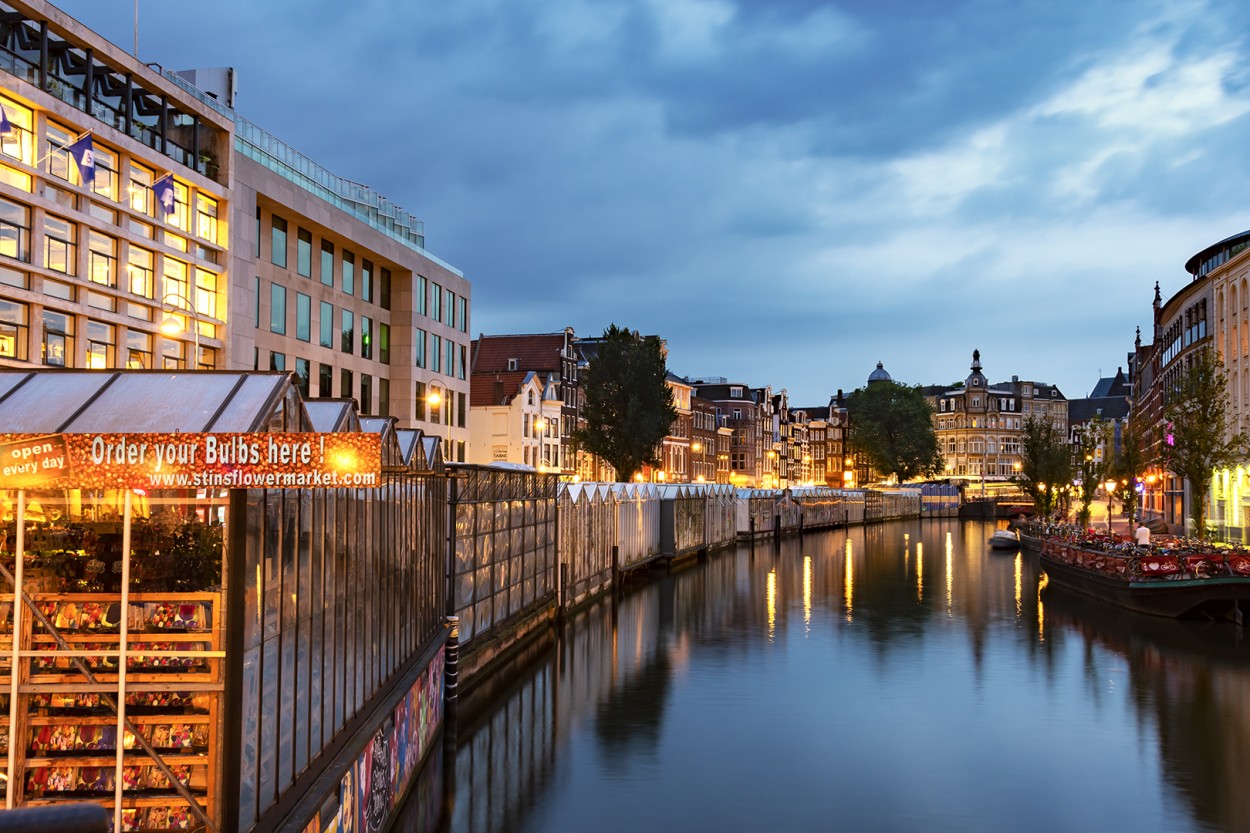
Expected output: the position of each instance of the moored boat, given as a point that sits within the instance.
(1005, 539)
(1174, 579)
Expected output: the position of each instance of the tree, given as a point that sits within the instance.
(629, 406)
(1045, 464)
(1197, 440)
(892, 424)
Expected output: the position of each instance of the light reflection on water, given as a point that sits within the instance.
(819, 687)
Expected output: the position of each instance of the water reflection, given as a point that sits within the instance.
(817, 686)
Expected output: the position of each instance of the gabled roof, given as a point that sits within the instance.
(720, 393)
(1112, 407)
(1115, 385)
(539, 351)
(332, 415)
(140, 401)
(495, 388)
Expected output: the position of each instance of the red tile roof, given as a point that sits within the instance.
(539, 352)
(482, 389)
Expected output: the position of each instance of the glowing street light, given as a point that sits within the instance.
(435, 399)
(171, 326)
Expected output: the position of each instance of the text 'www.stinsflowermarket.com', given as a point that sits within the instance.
(264, 479)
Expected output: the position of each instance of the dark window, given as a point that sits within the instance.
(277, 241)
(303, 253)
(303, 317)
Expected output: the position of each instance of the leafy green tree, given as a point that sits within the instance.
(1045, 464)
(629, 405)
(892, 424)
(1198, 440)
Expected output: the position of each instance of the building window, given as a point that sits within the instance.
(105, 181)
(366, 281)
(327, 263)
(418, 346)
(101, 344)
(277, 241)
(421, 290)
(13, 329)
(435, 353)
(449, 357)
(174, 281)
(277, 309)
(60, 245)
(174, 354)
(349, 273)
(16, 144)
(102, 259)
(277, 361)
(449, 308)
(58, 339)
(366, 337)
(303, 317)
(206, 218)
(384, 397)
(327, 327)
(384, 293)
(384, 343)
(348, 343)
(346, 389)
(464, 360)
(14, 230)
(325, 380)
(366, 393)
(138, 350)
(58, 158)
(460, 410)
(206, 293)
(436, 299)
(462, 314)
(422, 405)
(303, 252)
(301, 376)
(139, 272)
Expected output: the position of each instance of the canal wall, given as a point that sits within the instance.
(528, 548)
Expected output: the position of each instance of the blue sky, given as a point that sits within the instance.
(787, 191)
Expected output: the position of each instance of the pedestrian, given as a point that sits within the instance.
(1142, 535)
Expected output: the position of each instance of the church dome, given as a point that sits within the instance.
(879, 375)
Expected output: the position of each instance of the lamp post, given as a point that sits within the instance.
(435, 399)
(1110, 487)
(171, 326)
(540, 426)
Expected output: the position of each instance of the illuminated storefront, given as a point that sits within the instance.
(221, 607)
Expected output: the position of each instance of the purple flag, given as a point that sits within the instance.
(163, 188)
(84, 157)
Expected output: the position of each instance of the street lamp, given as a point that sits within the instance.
(540, 426)
(171, 326)
(435, 399)
(1110, 487)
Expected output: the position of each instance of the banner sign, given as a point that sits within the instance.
(190, 461)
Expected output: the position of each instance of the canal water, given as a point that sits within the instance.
(895, 677)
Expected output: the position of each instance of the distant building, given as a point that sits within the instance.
(979, 425)
(1110, 401)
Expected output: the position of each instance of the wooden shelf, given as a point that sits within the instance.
(106, 720)
(111, 760)
(127, 802)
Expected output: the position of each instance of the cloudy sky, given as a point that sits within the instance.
(788, 191)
